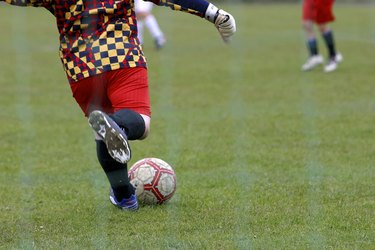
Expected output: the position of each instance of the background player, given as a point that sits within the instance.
(319, 12)
(107, 72)
(143, 11)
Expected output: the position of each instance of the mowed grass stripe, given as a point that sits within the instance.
(239, 109)
(314, 169)
(102, 212)
(26, 151)
(173, 142)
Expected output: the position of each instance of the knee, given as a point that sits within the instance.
(323, 28)
(307, 26)
(147, 121)
(141, 15)
(135, 125)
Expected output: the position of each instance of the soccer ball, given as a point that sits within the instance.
(154, 180)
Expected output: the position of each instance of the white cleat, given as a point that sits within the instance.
(312, 62)
(112, 135)
(339, 58)
(160, 42)
(333, 63)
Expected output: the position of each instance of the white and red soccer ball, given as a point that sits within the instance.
(154, 180)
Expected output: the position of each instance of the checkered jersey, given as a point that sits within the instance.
(99, 35)
(95, 36)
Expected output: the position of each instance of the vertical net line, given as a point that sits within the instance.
(173, 140)
(240, 112)
(313, 167)
(27, 134)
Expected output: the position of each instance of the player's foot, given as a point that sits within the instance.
(160, 42)
(113, 136)
(333, 63)
(126, 204)
(312, 62)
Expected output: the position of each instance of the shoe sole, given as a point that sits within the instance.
(117, 143)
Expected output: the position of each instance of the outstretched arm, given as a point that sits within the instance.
(35, 3)
(222, 20)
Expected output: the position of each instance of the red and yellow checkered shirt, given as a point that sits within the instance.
(100, 35)
(95, 36)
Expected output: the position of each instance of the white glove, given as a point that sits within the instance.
(226, 25)
(224, 22)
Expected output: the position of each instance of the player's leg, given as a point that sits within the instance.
(155, 31)
(308, 20)
(311, 40)
(143, 10)
(91, 95)
(315, 58)
(140, 29)
(324, 16)
(135, 125)
(113, 153)
(334, 58)
(138, 8)
(129, 96)
(122, 193)
(130, 100)
(327, 35)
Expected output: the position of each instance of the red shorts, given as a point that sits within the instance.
(319, 11)
(111, 91)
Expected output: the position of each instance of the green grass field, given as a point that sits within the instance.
(267, 157)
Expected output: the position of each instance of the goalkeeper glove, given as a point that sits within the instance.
(224, 22)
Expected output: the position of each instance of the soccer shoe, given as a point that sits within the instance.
(312, 62)
(160, 42)
(333, 63)
(113, 136)
(126, 204)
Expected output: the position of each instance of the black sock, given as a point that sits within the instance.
(312, 45)
(117, 173)
(330, 42)
(131, 122)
